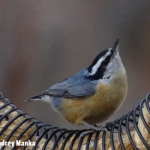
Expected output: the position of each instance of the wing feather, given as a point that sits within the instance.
(75, 87)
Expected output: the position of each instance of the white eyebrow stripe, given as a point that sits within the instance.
(96, 66)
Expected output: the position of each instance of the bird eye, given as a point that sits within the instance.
(106, 61)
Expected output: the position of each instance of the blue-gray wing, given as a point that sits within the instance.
(75, 87)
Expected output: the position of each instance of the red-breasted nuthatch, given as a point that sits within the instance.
(93, 94)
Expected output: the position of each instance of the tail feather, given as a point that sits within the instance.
(44, 97)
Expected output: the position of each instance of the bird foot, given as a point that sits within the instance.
(94, 129)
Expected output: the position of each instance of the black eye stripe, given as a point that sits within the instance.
(96, 59)
(102, 68)
(99, 74)
(107, 59)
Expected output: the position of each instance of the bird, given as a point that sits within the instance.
(93, 94)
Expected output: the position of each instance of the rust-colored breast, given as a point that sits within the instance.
(98, 107)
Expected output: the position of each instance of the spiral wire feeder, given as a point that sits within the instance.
(58, 138)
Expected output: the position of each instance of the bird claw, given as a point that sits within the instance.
(83, 134)
(97, 128)
(102, 129)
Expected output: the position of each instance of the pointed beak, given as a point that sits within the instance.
(115, 47)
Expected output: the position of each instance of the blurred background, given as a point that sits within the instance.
(43, 42)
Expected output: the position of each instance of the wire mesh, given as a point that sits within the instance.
(59, 137)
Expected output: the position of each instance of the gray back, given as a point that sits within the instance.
(75, 87)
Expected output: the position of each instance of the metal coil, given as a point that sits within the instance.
(57, 135)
